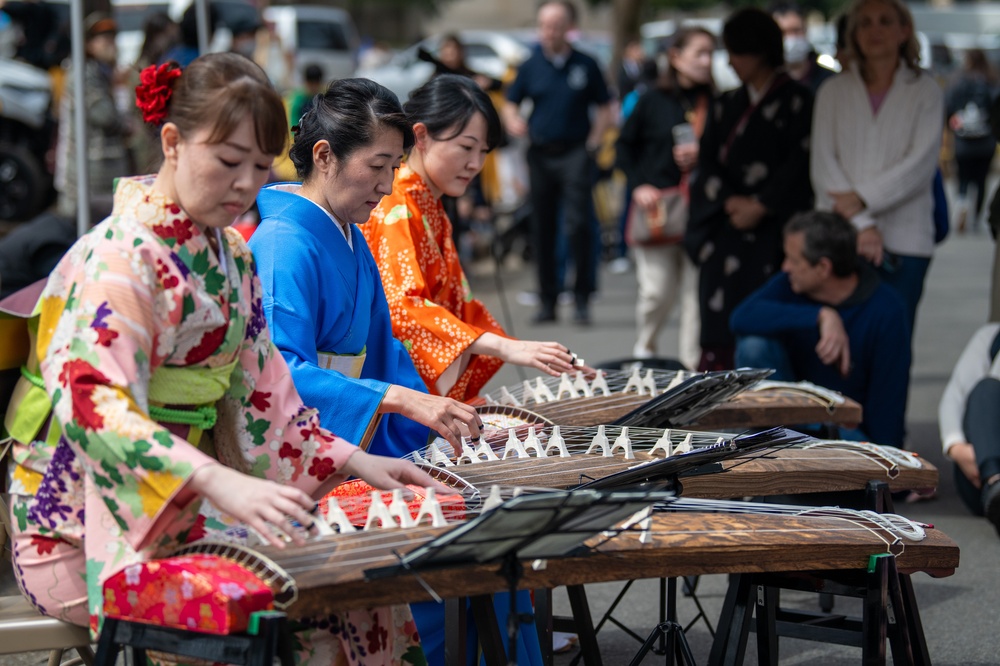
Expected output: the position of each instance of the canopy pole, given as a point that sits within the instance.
(80, 118)
(201, 14)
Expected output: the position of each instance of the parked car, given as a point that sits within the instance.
(487, 52)
(26, 130)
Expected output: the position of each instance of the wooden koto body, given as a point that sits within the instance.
(329, 572)
(753, 409)
(826, 467)
(794, 471)
(549, 402)
(763, 409)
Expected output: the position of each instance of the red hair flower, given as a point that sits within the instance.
(154, 90)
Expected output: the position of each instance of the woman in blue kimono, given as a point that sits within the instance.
(322, 294)
(324, 302)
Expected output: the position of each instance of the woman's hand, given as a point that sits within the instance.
(870, 245)
(263, 505)
(745, 213)
(389, 473)
(964, 456)
(847, 204)
(686, 156)
(645, 196)
(449, 418)
(550, 357)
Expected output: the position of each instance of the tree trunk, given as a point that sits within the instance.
(626, 27)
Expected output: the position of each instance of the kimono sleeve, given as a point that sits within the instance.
(294, 315)
(435, 336)
(788, 189)
(627, 146)
(279, 437)
(710, 186)
(106, 324)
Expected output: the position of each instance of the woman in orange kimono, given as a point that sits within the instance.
(456, 345)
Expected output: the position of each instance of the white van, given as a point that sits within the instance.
(323, 36)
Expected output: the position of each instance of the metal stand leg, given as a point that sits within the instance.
(734, 621)
(875, 619)
(107, 648)
(543, 623)
(584, 625)
(490, 638)
(455, 631)
(670, 633)
(767, 632)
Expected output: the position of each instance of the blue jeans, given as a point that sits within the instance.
(906, 275)
(981, 423)
(758, 351)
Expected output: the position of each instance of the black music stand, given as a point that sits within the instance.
(693, 398)
(530, 527)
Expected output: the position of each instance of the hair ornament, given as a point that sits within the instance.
(152, 95)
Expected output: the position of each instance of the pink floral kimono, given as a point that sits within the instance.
(142, 294)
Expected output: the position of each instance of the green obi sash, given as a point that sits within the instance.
(192, 391)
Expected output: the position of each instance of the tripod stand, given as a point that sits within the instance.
(670, 633)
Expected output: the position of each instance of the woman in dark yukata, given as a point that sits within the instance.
(752, 176)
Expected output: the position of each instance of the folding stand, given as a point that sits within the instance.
(266, 638)
(529, 527)
(890, 609)
(669, 631)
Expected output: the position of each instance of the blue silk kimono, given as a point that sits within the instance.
(322, 298)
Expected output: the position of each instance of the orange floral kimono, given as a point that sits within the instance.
(432, 309)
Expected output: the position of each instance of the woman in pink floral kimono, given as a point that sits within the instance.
(151, 335)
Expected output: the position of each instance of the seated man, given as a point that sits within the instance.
(828, 319)
(970, 423)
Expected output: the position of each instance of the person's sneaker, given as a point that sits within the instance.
(528, 298)
(581, 315)
(619, 266)
(991, 504)
(563, 642)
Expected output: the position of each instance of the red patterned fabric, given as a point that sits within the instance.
(200, 593)
(355, 496)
